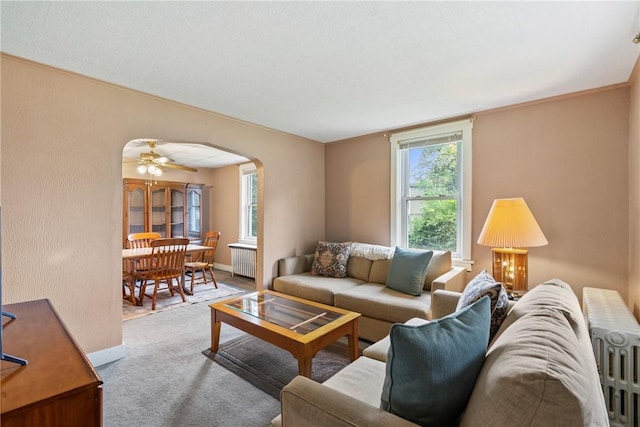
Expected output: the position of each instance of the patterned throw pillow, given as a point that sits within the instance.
(481, 285)
(330, 259)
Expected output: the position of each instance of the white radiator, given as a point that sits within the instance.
(615, 336)
(243, 259)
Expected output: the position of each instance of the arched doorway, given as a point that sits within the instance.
(210, 174)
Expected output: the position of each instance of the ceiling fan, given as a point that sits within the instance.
(155, 163)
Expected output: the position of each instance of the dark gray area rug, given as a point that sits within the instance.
(270, 368)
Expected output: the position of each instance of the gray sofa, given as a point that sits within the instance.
(364, 290)
(539, 371)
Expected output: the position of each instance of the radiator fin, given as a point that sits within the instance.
(243, 260)
(615, 336)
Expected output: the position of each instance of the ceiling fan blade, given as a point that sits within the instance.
(173, 166)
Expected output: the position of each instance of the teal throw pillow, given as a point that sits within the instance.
(432, 368)
(408, 270)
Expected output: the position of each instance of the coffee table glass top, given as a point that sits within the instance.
(293, 315)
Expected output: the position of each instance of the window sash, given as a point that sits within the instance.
(248, 204)
(405, 148)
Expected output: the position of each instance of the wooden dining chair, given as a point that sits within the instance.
(128, 286)
(165, 265)
(141, 240)
(135, 240)
(205, 262)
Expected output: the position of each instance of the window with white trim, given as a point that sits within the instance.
(248, 203)
(431, 188)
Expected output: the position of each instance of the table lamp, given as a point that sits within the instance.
(510, 227)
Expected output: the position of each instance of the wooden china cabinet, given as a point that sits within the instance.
(172, 209)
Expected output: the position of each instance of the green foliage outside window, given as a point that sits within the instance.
(432, 223)
(436, 227)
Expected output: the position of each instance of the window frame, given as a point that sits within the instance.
(398, 166)
(245, 171)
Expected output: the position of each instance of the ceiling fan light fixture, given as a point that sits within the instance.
(142, 169)
(154, 170)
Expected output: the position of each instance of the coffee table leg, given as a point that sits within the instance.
(215, 331)
(304, 366)
(354, 349)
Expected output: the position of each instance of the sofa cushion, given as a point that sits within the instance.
(358, 380)
(439, 264)
(379, 271)
(484, 285)
(540, 369)
(330, 259)
(379, 302)
(427, 360)
(407, 270)
(380, 349)
(358, 267)
(315, 288)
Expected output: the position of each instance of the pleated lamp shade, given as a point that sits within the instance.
(510, 224)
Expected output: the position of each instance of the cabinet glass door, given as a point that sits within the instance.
(136, 210)
(159, 211)
(194, 197)
(177, 213)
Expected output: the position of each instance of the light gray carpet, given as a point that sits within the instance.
(165, 380)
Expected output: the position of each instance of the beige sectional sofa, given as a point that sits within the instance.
(364, 290)
(539, 371)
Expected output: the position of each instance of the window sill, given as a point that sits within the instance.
(243, 244)
(467, 264)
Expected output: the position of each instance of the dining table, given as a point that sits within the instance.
(130, 255)
(138, 253)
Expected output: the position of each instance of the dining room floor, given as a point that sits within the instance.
(227, 285)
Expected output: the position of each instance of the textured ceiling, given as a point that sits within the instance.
(334, 70)
(193, 155)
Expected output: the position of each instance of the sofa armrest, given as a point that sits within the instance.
(453, 280)
(307, 403)
(443, 303)
(294, 264)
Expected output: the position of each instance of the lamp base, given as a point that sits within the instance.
(510, 267)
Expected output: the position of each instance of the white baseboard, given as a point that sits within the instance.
(108, 355)
(223, 267)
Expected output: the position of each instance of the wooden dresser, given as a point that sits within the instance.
(58, 386)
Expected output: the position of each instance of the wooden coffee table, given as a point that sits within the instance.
(299, 326)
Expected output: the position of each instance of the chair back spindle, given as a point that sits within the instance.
(165, 264)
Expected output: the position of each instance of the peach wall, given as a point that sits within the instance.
(567, 157)
(225, 209)
(358, 203)
(634, 193)
(62, 140)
